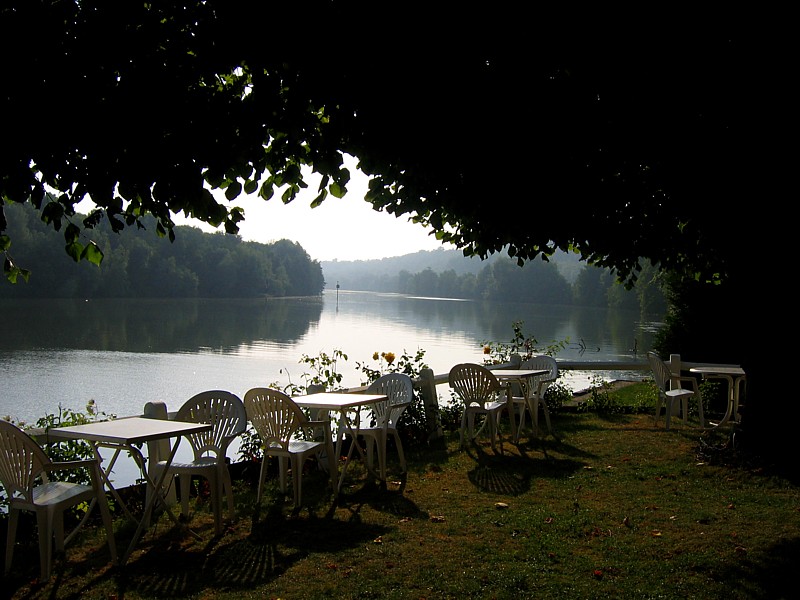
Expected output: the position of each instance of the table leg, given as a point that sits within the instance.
(344, 422)
(510, 408)
(729, 409)
(151, 499)
(107, 481)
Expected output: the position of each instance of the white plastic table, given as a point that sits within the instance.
(346, 405)
(734, 376)
(126, 434)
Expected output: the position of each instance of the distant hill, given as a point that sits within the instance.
(354, 273)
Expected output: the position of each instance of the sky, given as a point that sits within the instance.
(339, 229)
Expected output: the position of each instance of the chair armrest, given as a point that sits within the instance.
(71, 464)
(692, 380)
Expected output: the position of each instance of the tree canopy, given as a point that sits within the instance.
(619, 143)
(617, 135)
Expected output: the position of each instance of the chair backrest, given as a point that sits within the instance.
(274, 415)
(399, 390)
(226, 414)
(474, 383)
(661, 372)
(542, 361)
(22, 463)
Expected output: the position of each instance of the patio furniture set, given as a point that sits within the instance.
(211, 420)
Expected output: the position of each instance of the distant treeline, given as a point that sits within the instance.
(138, 263)
(499, 278)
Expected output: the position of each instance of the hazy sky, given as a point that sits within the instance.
(340, 228)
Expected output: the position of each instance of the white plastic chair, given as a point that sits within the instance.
(281, 425)
(24, 469)
(671, 391)
(538, 386)
(399, 390)
(225, 412)
(481, 393)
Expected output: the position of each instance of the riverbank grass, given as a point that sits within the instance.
(612, 506)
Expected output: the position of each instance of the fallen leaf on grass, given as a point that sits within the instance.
(500, 505)
(655, 533)
(438, 519)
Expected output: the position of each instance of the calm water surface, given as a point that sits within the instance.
(124, 353)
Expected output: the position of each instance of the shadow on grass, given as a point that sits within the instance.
(775, 576)
(275, 543)
(513, 474)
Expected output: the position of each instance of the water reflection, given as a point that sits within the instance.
(123, 353)
(123, 325)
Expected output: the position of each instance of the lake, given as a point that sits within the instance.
(124, 353)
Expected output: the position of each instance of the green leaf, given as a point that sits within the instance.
(72, 233)
(75, 250)
(52, 213)
(233, 190)
(92, 253)
(320, 197)
(267, 190)
(250, 186)
(116, 224)
(337, 190)
(5, 243)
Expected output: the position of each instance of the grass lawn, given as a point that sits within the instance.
(613, 507)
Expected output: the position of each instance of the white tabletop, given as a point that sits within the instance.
(711, 370)
(518, 373)
(129, 430)
(337, 400)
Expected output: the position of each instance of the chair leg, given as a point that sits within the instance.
(659, 403)
(215, 483)
(107, 523)
(400, 453)
(45, 544)
(282, 468)
(11, 535)
(297, 478)
(668, 413)
(57, 527)
(700, 412)
(546, 412)
(227, 491)
(262, 476)
(185, 481)
(370, 443)
(380, 442)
